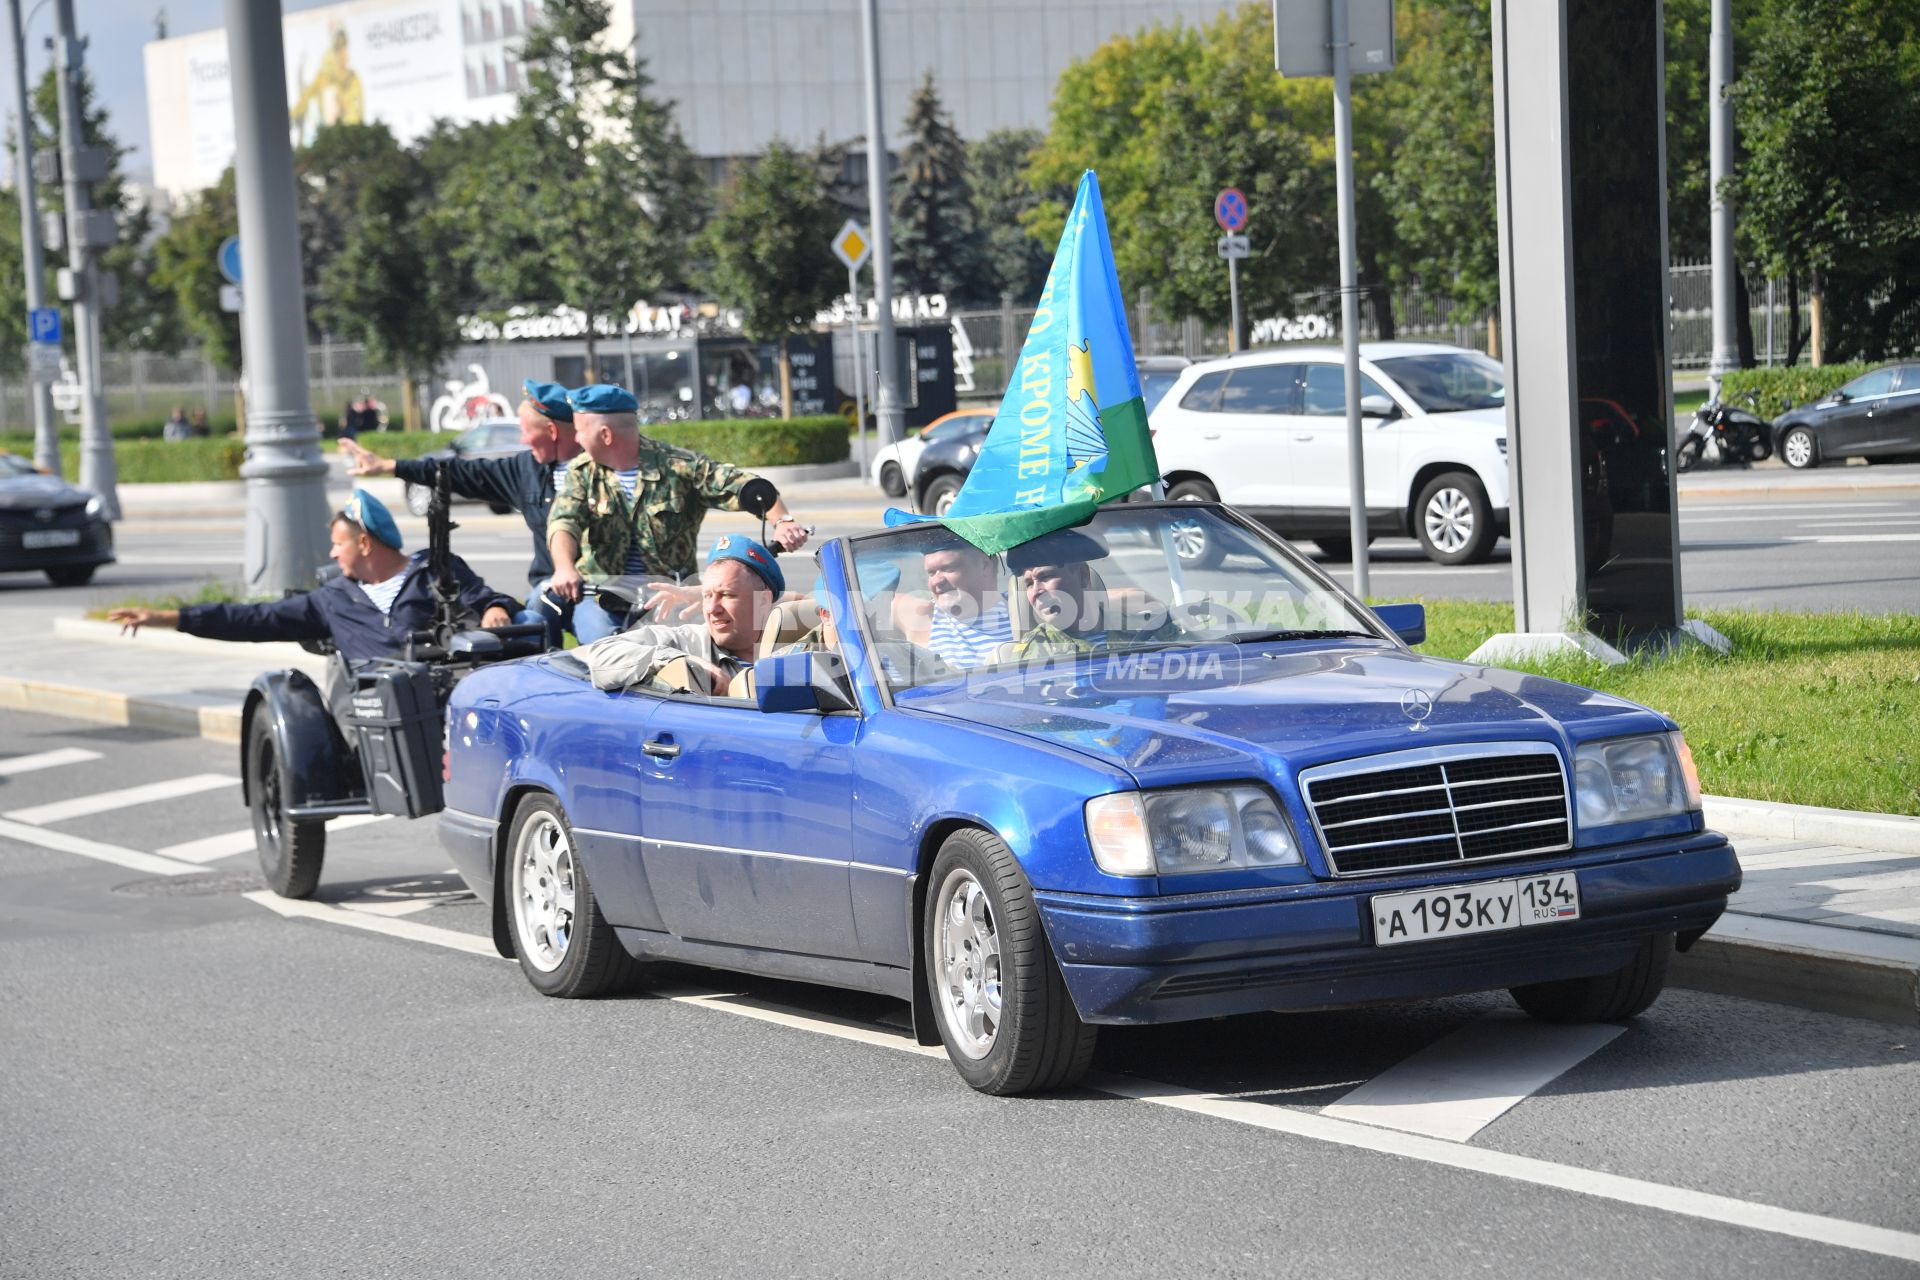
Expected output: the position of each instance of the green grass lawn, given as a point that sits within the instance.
(1685, 402)
(1809, 708)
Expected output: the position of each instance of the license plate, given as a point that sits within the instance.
(36, 539)
(1487, 907)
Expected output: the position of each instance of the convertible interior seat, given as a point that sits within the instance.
(789, 620)
(681, 676)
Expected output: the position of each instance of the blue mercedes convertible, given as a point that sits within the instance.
(1082, 783)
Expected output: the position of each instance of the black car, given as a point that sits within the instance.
(494, 438)
(944, 465)
(48, 526)
(1876, 417)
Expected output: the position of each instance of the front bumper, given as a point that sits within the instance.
(95, 546)
(1151, 960)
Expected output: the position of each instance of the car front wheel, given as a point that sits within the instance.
(941, 493)
(1454, 520)
(1607, 998)
(1005, 1016)
(566, 947)
(1800, 449)
(78, 575)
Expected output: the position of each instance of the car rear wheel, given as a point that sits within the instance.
(418, 496)
(1454, 520)
(291, 852)
(1799, 449)
(941, 493)
(892, 483)
(1003, 1009)
(73, 575)
(1607, 998)
(566, 947)
(1190, 539)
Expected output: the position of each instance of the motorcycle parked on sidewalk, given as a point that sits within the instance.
(1739, 437)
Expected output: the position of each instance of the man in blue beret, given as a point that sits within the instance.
(527, 482)
(737, 591)
(631, 508)
(381, 597)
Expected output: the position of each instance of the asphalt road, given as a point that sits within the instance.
(192, 1083)
(1824, 550)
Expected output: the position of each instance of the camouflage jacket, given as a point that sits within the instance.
(1049, 641)
(675, 489)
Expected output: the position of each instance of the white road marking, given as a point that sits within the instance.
(107, 801)
(61, 842)
(1463, 1082)
(412, 931)
(1784, 506)
(1278, 1119)
(1732, 544)
(1542, 1173)
(227, 844)
(45, 760)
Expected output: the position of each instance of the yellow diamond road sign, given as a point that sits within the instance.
(850, 245)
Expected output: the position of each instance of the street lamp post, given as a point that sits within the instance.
(285, 474)
(886, 403)
(1726, 350)
(77, 166)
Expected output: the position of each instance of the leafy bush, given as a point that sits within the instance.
(1781, 389)
(760, 442)
(162, 461)
(397, 444)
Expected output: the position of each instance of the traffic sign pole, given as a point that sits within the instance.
(859, 373)
(1230, 211)
(46, 431)
(1349, 299)
(1233, 292)
(96, 442)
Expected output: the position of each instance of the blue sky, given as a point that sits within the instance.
(117, 31)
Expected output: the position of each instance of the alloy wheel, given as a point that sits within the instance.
(969, 965)
(1449, 519)
(544, 893)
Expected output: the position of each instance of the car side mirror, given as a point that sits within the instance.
(1408, 621)
(1378, 407)
(1839, 397)
(784, 682)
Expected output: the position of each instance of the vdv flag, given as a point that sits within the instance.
(1071, 431)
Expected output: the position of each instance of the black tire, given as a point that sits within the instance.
(1453, 508)
(1799, 449)
(1038, 1041)
(1191, 544)
(499, 508)
(71, 575)
(1610, 997)
(1340, 549)
(418, 496)
(892, 483)
(588, 959)
(291, 853)
(1687, 456)
(940, 493)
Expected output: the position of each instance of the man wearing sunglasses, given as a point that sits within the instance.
(381, 597)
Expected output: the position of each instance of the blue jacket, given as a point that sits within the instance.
(518, 480)
(338, 610)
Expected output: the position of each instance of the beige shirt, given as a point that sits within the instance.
(631, 657)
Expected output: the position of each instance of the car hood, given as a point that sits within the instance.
(1230, 717)
(1486, 417)
(29, 492)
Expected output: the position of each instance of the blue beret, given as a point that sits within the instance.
(372, 515)
(552, 399)
(602, 397)
(733, 546)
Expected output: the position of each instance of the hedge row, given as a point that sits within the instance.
(1781, 389)
(163, 461)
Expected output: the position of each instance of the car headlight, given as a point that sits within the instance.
(1633, 779)
(94, 508)
(1144, 833)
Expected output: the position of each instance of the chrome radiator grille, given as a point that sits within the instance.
(1438, 805)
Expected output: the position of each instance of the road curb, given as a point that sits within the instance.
(215, 721)
(1772, 820)
(1788, 962)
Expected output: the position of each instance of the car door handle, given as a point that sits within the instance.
(662, 750)
(1304, 435)
(1211, 435)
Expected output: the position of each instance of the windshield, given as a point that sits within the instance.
(1154, 387)
(12, 465)
(1446, 381)
(1136, 578)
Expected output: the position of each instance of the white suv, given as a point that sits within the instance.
(1267, 432)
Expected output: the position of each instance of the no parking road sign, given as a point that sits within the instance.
(1230, 210)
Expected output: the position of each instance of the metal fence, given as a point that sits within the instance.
(1692, 315)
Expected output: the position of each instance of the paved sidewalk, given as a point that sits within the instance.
(1829, 916)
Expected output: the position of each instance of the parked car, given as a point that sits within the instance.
(1254, 796)
(944, 464)
(1157, 376)
(893, 466)
(494, 438)
(1876, 417)
(48, 526)
(1267, 432)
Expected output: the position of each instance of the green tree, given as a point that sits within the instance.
(13, 286)
(146, 317)
(1013, 262)
(602, 195)
(935, 245)
(186, 266)
(767, 250)
(1827, 106)
(332, 178)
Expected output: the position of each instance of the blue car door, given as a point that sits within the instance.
(745, 833)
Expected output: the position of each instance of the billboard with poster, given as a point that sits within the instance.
(401, 63)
